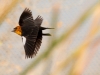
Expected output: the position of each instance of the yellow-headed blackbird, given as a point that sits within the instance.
(31, 32)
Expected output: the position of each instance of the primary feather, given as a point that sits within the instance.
(25, 15)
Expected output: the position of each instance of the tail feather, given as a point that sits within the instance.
(46, 34)
(43, 28)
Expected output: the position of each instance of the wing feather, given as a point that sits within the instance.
(32, 46)
(38, 20)
(25, 14)
(30, 30)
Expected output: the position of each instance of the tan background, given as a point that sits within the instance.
(73, 48)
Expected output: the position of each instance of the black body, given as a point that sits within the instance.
(32, 31)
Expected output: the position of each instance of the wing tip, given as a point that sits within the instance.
(29, 56)
(27, 10)
(39, 17)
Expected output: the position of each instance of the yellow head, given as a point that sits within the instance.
(17, 30)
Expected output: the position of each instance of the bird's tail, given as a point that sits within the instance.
(43, 28)
(46, 34)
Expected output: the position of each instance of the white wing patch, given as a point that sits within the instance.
(23, 40)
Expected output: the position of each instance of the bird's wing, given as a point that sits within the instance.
(28, 26)
(38, 42)
(30, 32)
(38, 20)
(32, 44)
(25, 14)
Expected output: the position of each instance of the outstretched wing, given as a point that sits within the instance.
(38, 21)
(32, 46)
(30, 32)
(25, 14)
(33, 36)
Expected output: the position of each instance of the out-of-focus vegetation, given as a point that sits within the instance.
(8, 5)
(56, 59)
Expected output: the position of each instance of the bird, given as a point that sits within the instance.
(31, 32)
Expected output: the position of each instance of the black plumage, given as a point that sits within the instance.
(31, 29)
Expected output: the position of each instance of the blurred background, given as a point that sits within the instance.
(73, 48)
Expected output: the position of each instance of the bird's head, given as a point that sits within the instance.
(17, 30)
